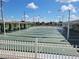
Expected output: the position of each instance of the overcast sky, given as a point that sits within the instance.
(45, 10)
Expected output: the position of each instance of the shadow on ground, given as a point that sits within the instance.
(74, 36)
(2, 58)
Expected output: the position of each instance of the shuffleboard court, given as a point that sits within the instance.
(44, 34)
(49, 38)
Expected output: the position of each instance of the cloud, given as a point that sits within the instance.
(74, 17)
(27, 16)
(67, 1)
(32, 5)
(0, 8)
(5, 0)
(68, 7)
(12, 16)
(49, 12)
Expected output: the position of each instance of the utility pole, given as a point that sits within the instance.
(2, 16)
(24, 16)
(1, 9)
(33, 19)
(38, 19)
(68, 29)
(62, 20)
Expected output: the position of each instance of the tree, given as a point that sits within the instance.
(60, 23)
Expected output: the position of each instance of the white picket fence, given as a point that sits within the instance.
(29, 50)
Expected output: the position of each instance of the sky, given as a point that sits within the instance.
(40, 10)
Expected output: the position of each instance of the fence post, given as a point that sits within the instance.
(36, 47)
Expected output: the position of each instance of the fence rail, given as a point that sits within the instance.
(34, 50)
